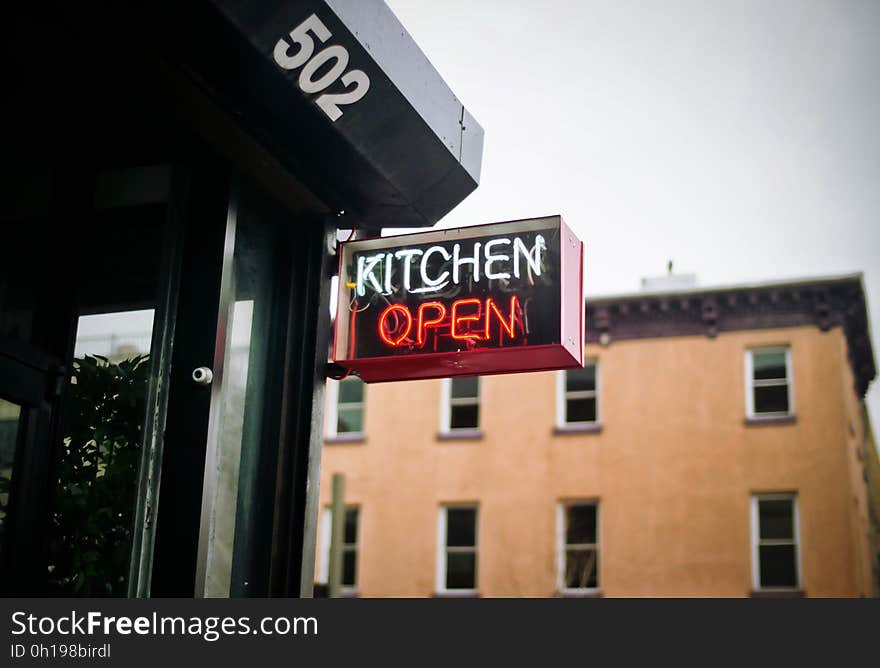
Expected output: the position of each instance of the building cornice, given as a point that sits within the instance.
(822, 302)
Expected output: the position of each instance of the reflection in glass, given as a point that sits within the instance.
(235, 485)
(235, 376)
(581, 380)
(350, 406)
(581, 547)
(769, 365)
(581, 569)
(580, 395)
(772, 399)
(465, 387)
(581, 410)
(461, 548)
(114, 335)
(9, 415)
(97, 467)
(770, 382)
(778, 565)
(461, 570)
(776, 519)
(581, 524)
(349, 548)
(461, 527)
(464, 403)
(464, 416)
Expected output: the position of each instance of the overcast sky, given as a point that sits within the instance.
(739, 138)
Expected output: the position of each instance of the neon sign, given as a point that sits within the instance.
(497, 298)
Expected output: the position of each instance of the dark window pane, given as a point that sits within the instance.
(768, 365)
(464, 417)
(581, 569)
(461, 570)
(9, 414)
(775, 519)
(351, 526)
(461, 527)
(778, 567)
(580, 410)
(581, 525)
(578, 380)
(349, 420)
(465, 387)
(772, 399)
(349, 568)
(351, 391)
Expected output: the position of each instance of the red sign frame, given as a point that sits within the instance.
(566, 354)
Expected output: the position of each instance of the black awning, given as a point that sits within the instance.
(348, 102)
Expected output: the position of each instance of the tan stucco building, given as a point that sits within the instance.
(715, 445)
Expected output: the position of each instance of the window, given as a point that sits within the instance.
(577, 396)
(775, 558)
(457, 540)
(349, 548)
(578, 547)
(345, 408)
(769, 383)
(461, 405)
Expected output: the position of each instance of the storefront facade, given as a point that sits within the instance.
(187, 167)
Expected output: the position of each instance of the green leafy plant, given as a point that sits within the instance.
(95, 488)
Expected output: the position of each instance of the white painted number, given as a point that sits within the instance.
(308, 85)
(300, 35)
(305, 55)
(329, 102)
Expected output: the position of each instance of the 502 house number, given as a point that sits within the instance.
(357, 83)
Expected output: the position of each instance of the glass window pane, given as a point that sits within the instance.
(114, 335)
(773, 399)
(461, 570)
(776, 519)
(350, 420)
(778, 567)
(580, 410)
(581, 525)
(351, 391)
(581, 569)
(232, 518)
(768, 365)
(579, 380)
(349, 568)
(9, 415)
(464, 417)
(97, 465)
(461, 527)
(465, 387)
(351, 523)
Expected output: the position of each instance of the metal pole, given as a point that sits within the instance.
(337, 531)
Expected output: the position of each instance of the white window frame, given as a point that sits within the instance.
(562, 396)
(331, 415)
(561, 509)
(756, 539)
(446, 403)
(751, 383)
(324, 554)
(443, 550)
